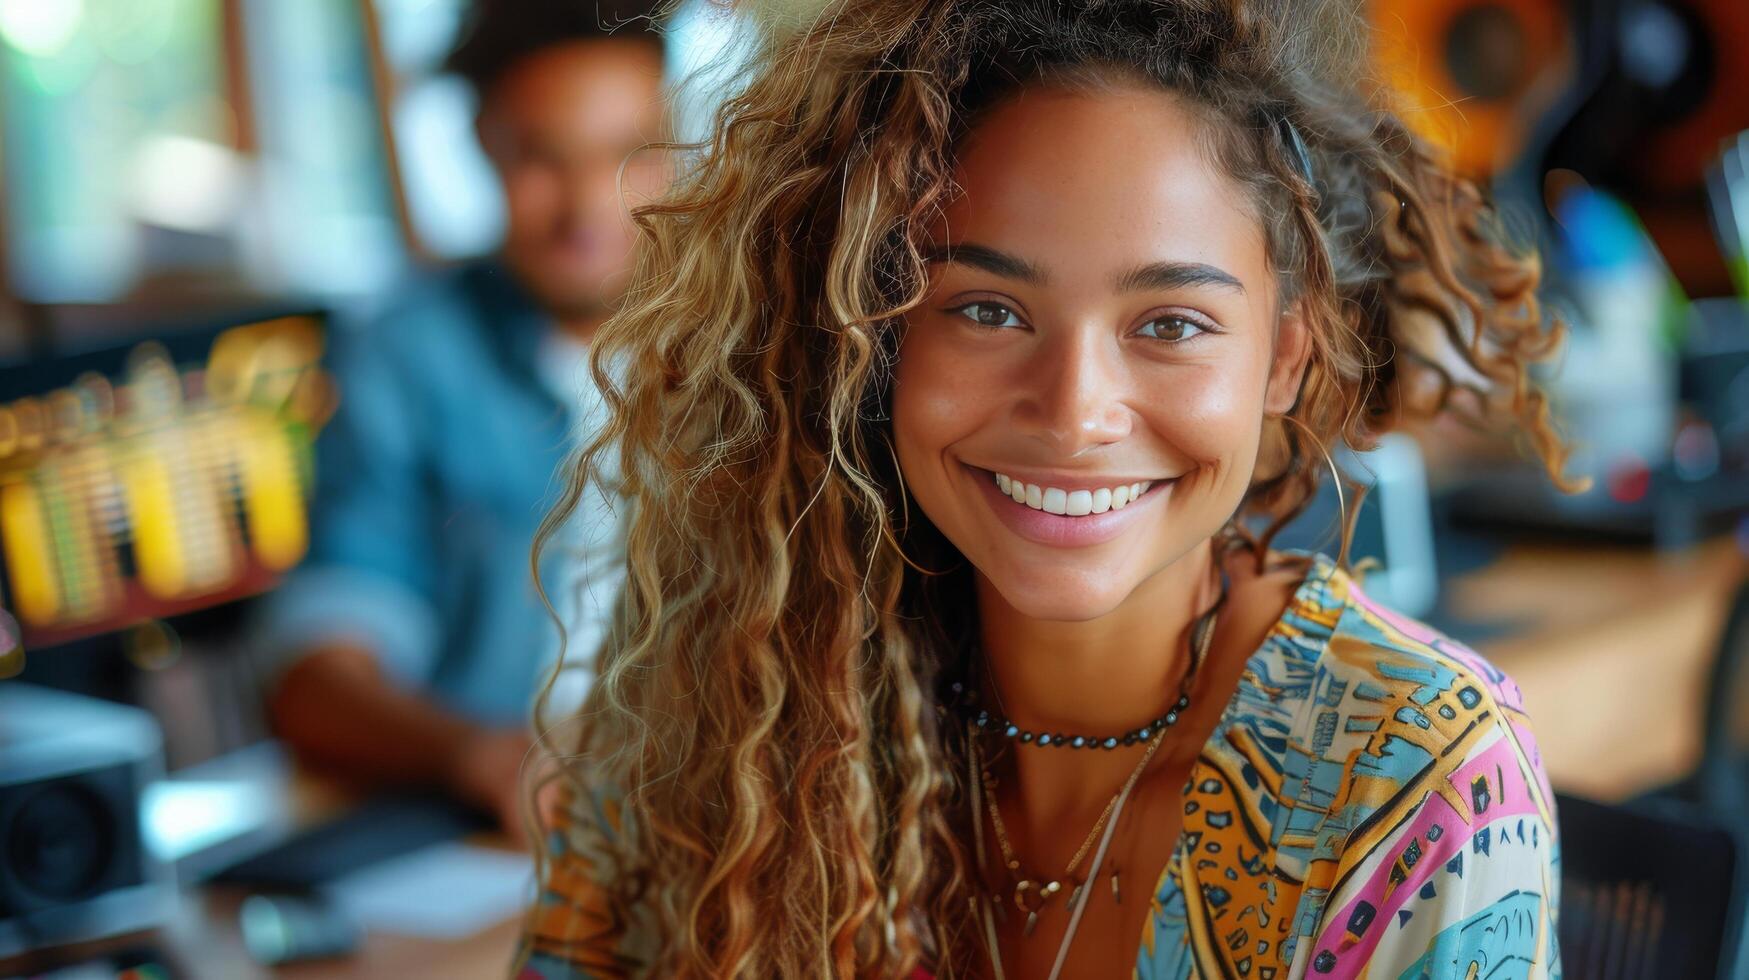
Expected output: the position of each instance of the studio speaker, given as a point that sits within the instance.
(74, 864)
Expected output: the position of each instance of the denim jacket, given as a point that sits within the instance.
(431, 480)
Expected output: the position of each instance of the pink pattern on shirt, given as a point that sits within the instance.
(1511, 798)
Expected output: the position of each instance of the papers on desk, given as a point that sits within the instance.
(446, 891)
(207, 816)
(390, 864)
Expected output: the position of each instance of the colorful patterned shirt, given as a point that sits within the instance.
(1371, 804)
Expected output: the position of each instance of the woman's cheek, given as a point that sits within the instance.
(1200, 412)
(924, 408)
(939, 392)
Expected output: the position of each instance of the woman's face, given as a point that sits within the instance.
(1101, 320)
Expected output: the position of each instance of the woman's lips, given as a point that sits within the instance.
(1062, 530)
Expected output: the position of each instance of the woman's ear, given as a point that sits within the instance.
(1293, 349)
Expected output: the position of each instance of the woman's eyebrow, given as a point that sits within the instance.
(1154, 275)
(990, 260)
(1176, 275)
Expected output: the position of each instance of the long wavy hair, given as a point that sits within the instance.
(764, 709)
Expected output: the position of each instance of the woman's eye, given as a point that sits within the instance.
(989, 315)
(1172, 328)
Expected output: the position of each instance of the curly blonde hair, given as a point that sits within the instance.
(765, 706)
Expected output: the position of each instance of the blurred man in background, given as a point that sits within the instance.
(408, 647)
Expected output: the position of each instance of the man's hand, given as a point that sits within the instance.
(487, 772)
(335, 706)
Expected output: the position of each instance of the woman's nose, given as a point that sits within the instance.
(1074, 394)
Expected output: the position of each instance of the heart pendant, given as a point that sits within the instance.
(1030, 896)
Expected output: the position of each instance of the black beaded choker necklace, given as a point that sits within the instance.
(965, 700)
(988, 722)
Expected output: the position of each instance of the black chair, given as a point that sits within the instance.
(1647, 892)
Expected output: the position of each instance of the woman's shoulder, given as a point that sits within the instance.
(1350, 711)
(574, 927)
(1376, 788)
(1429, 817)
(1364, 659)
(1339, 673)
(1385, 716)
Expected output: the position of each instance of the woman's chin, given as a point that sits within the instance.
(1061, 598)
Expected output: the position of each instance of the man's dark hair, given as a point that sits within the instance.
(501, 33)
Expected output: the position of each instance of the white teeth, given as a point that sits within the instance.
(1071, 503)
(1056, 501)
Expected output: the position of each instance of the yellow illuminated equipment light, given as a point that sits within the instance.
(166, 491)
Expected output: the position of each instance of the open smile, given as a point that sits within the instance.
(1072, 503)
(1069, 513)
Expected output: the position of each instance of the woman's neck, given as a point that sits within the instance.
(1102, 676)
(1111, 674)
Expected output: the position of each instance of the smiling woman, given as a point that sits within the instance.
(1102, 313)
(950, 375)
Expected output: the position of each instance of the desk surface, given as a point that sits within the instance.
(1612, 648)
(204, 941)
(207, 940)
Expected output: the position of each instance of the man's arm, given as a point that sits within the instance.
(334, 706)
(350, 641)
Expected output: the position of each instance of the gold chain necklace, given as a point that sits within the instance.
(1031, 895)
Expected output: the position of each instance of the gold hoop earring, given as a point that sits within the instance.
(886, 529)
(1336, 480)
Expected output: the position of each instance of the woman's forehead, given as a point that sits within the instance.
(1097, 179)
